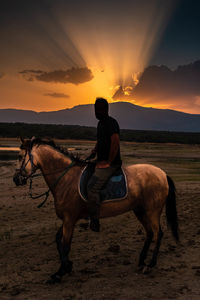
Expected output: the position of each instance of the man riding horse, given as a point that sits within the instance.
(108, 159)
(149, 190)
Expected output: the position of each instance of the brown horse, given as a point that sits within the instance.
(149, 189)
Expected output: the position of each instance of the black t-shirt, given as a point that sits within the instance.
(105, 129)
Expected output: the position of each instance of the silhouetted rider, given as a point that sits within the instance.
(108, 159)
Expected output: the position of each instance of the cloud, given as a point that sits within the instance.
(31, 71)
(57, 95)
(73, 75)
(123, 93)
(161, 81)
(119, 94)
(159, 84)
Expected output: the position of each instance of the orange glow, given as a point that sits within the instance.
(31, 95)
(115, 47)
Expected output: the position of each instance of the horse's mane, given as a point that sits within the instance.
(38, 141)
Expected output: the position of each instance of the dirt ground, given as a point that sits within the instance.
(105, 263)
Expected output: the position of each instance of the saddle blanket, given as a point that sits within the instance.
(115, 189)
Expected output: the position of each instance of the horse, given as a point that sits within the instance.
(149, 189)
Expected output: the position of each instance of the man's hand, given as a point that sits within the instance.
(91, 156)
(102, 165)
(92, 153)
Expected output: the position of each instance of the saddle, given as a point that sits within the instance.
(115, 189)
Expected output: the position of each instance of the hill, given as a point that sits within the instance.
(129, 116)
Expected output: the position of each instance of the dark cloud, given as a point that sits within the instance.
(123, 93)
(159, 83)
(73, 75)
(30, 75)
(57, 95)
(31, 71)
(119, 94)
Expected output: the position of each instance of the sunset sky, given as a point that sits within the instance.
(58, 54)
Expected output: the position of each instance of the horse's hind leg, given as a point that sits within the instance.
(151, 224)
(154, 221)
(149, 235)
(143, 253)
(63, 240)
(158, 234)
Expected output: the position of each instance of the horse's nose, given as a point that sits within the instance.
(19, 179)
(16, 178)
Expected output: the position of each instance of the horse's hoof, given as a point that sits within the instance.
(146, 270)
(55, 278)
(140, 268)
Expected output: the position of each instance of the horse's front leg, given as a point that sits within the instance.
(63, 240)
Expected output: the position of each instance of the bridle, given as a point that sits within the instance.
(32, 175)
(22, 169)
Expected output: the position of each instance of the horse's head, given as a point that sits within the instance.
(27, 165)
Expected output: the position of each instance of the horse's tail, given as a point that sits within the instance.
(171, 212)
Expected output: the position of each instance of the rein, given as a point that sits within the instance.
(46, 194)
(32, 175)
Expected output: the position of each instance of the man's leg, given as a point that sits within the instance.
(95, 185)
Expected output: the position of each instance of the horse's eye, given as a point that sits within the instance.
(20, 157)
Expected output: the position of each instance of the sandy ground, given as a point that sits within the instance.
(105, 263)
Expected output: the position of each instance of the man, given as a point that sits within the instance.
(108, 159)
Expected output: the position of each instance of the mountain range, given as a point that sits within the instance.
(129, 116)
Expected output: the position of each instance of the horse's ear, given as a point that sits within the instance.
(32, 141)
(22, 139)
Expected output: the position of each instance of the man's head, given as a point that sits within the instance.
(101, 108)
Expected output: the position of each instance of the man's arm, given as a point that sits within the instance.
(114, 147)
(93, 152)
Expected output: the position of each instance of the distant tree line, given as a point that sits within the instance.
(89, 133)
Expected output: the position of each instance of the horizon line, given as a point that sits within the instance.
(69, 108)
